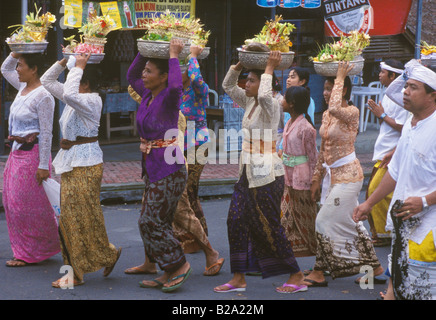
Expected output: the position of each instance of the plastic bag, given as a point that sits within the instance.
(53, 190)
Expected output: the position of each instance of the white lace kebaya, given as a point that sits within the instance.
(81, 117)
(30, 113)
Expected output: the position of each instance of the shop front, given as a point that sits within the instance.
(230, 23)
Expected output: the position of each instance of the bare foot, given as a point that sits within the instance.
(212, 257)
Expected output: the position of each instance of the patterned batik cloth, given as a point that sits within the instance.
(31, 221)
(187, 238)
(344, 246)
(187, 227)
(412, 265)
(298, 219)
(84, 241)
(159, 204)
(379, 211)
(256, 237)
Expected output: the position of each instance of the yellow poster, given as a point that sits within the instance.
(111, 9)
(146, 9)
(73, 13)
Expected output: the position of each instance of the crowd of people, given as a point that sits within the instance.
(293, 199)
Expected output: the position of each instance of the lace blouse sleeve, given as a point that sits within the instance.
(45, 110)
(265, 95)
(349, 114)
(9, 71)
(78, 101)
(230, 86)
(50, 82)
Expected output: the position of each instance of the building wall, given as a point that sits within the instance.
(428, 28)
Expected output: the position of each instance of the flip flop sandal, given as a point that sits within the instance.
(230, 288)
(176, 286)
(301, 288)
(158, 285)
(107, 271)
(218, 264)
(15, 263)
(314, 283)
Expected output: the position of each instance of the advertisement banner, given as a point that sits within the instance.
(127, 13)
(146, 9)
(374, 17)
(90, 9)
(77, 12)
(341, 17)
(73, 13)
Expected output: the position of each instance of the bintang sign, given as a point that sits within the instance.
(145, 10)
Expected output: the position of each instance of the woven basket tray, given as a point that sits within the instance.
(30, 47)
(95, 58)
(159, 49)
(330, 69)
(258, 60)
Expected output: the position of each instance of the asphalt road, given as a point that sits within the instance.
(34, 282)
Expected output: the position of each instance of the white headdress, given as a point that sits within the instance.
(413, 70)
(385, 66)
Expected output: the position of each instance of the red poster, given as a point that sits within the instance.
(375, 17)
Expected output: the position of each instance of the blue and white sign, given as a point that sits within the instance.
(267, 3)
(309, 4)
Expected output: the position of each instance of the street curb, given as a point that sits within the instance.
(208, 188)
(128, 192)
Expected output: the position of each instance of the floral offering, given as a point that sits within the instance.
(274, 36)
(98, 26)
(34, 29)
(428, 51)
(346, 49)
(167, 25)
(93, 37)
(201, 37)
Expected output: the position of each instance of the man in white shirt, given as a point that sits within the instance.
(412, 176)
(392, 118)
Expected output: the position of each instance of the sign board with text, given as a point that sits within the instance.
(145, 10)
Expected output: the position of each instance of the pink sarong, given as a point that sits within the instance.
(32, 225)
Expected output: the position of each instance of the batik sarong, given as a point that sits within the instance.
(298, 220)
(31, 221)
(187, 227)
(186, 237)
(194, 174)
(256, 237)
(159, 204)
(412, 265)
(85, 244)
(343, 246)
